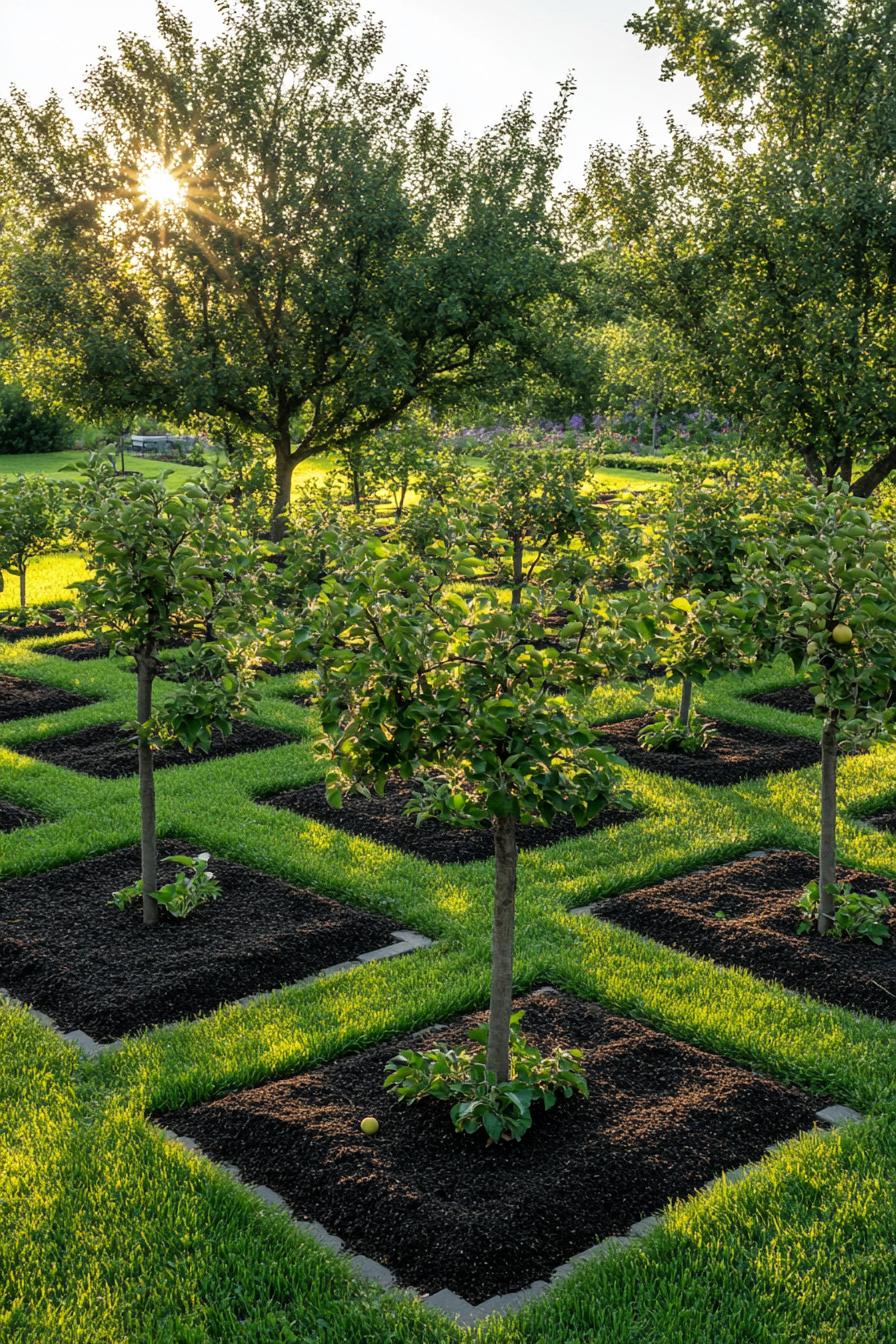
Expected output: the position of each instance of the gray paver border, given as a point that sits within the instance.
(405, 940)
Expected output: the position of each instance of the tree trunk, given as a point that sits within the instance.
(399, 509)
(827, 849)
(684, 708)
(517, 572)
(356, 488)
(283, 468)
(655, 437)
(22, 602)
(148, 842)
(503, 915)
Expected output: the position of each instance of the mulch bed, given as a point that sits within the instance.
(78, 650)
(54, 625)
(385, 820)
(735, 754)
(65, 949)
(447, 1210)
(758, 897)
(108, 753)
(796, 699)
(12, 816)
(883, 821)
(21, 699)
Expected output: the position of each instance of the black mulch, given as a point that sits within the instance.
(796, 699)
(385, 820)
(758, 897)
(108, 753)
(883, 821)
(21, 699)
(65, 949)
(12, 816)
(53, 625)
(78, 650)
(446, 1210)
(736, 753)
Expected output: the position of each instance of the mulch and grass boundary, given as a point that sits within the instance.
(78, 1127)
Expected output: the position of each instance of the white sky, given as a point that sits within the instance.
(480, 55)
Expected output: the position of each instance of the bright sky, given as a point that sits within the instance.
(480, 55)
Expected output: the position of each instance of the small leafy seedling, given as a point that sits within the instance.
(479, 1101)
(857, 914)
(192, 887)
(668, 732)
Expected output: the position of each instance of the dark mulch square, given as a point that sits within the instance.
(65, 949)
(12, 816)
(54, 624)
(795, 699)
(758, 897)
(78, 650)
(736, 753)
(883, 821)
(20, 698)
(446, 1210)
(385, 820)
(107, 752)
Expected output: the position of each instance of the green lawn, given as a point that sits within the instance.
(110, 1236)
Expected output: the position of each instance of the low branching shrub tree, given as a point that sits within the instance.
(180, 588)
(457, 694)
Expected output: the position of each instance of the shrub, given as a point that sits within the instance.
(25, 428)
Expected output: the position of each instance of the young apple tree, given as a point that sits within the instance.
(31, 522)
(169, 568)
(825, 574)
(455, 693)
(532, 502)
(704, 614)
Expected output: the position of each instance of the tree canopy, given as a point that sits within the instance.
(768, 239)
(258, 230)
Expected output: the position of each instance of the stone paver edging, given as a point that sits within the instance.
(451, 1304)
(406, 940)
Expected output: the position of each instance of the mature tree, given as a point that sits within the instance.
(169, 566)
(457, 693)
(768, 241)
(31, 523)
(825, 573)
(26, 428)
(257, 229)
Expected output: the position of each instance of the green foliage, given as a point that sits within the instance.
(667, 732)
(478, 1100)
(646, 364)
(459, 692)
(856, 914)
(31, 523)
(169, 566)
(765, 239)
(251, 299)
(193, 886)
(705, 615)
(823, 564)
(26, 428)
(533, 501)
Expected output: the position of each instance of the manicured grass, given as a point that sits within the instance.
(109, 1234)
